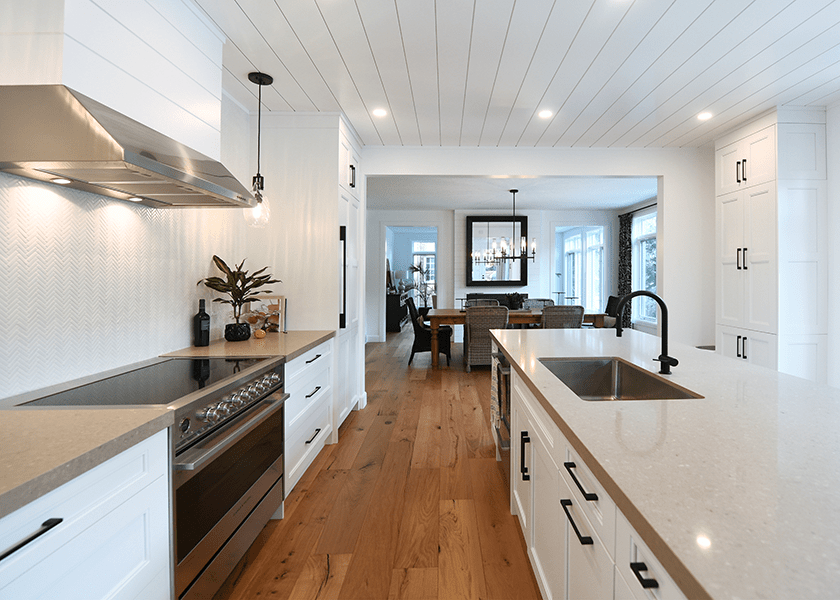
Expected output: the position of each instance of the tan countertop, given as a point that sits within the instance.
(754, 466)
(291, 345)
(41, 449)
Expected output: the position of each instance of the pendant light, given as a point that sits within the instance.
(259, 215)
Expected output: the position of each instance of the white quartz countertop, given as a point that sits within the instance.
(754, 466)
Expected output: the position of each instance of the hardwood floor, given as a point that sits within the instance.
(410, 504)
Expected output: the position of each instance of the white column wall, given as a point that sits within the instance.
(833, 158)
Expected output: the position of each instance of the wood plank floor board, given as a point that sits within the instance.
(409, 505)
(418, 538)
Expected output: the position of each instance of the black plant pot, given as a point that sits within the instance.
(237, 332)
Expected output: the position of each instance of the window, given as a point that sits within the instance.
(582, 266)
(424, 257)
(644, 264)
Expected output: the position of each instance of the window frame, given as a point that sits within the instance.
(639, 269)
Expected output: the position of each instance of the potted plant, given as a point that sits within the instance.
(424, 290)
(240, 288)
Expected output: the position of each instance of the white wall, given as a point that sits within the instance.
(686, 205)
(833, 158)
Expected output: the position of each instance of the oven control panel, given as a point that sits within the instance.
(213, 412)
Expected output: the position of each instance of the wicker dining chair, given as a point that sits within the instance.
(535, 303)
(481, 302)
(562, 317)
(478, 323)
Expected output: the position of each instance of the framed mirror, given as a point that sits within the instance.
(487, 238)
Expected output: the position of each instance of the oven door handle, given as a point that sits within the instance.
(195, 458)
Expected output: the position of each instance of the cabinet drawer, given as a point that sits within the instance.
(314, 358)
(305, 393)
(601, 511)
(543, 426)
(113, 538)
(591, 568)
(631, 550)
(305, 440)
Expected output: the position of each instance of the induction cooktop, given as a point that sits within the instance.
(161, 383)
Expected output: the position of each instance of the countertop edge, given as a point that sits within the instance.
(685, 580)
(48, 481)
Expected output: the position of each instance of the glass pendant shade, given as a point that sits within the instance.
(259, 215)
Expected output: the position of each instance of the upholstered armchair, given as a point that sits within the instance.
(423, 334)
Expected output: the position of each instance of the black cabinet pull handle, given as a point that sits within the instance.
(738, 347)
(584, 540)
(342, 236)
(745, 259)
(312, 360)
(738, 259)
(352, 176)
(523, 439)
(312, 439)
(744, 170)
(738, 172)
(590, 496)
(744, 348)
(45, 527)
(637, 568)
(315, 391)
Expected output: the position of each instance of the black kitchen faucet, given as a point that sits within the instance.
(666, 362)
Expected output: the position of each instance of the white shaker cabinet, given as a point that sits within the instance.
(308, 410)
(771, 243)
(570, 524)
(113, 538)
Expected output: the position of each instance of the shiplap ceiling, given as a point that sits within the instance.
(613, 73)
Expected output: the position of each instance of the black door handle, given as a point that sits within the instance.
(745, 259)
(312, 439)
(584, 540)
(523, 439)
(352, 176)
(738, 172)
(315, 391)
(744, 170)
(744, 348)
(45, 527)
(738, 259)
(342, 317)
(312, 360)
(590, 496)
(738, 347)
(637, 568)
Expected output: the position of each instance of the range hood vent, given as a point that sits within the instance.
(50, 132)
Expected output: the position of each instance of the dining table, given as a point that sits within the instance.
(457, 316)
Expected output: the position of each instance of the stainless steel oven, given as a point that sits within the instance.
(227, 480)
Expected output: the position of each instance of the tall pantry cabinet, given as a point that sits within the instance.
(771, 243)
(312, 163)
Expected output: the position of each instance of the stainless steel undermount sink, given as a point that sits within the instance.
(612, 378)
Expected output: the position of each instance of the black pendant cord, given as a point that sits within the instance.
(259, 125)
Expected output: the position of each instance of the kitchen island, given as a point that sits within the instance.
(737, 494)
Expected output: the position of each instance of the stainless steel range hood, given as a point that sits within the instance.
(49, 132)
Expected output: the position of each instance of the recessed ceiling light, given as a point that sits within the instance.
(544, 114)
(704, 116)
(379, 112)
(134, 199)
(61, 181)
(704, 542)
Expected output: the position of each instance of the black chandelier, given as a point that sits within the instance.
(506, 248)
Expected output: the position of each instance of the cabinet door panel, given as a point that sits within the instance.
(730, 236)
(549, 542)
(760, 349)
(760, 262)
(727, 179)
(760, 152)
(521, 458)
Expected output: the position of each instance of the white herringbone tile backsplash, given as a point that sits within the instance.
(89, 283)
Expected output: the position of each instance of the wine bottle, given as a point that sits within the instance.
(201, 326)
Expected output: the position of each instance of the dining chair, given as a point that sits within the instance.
(535, 303)
(562, 317)
(479, 321)
(423, 334)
